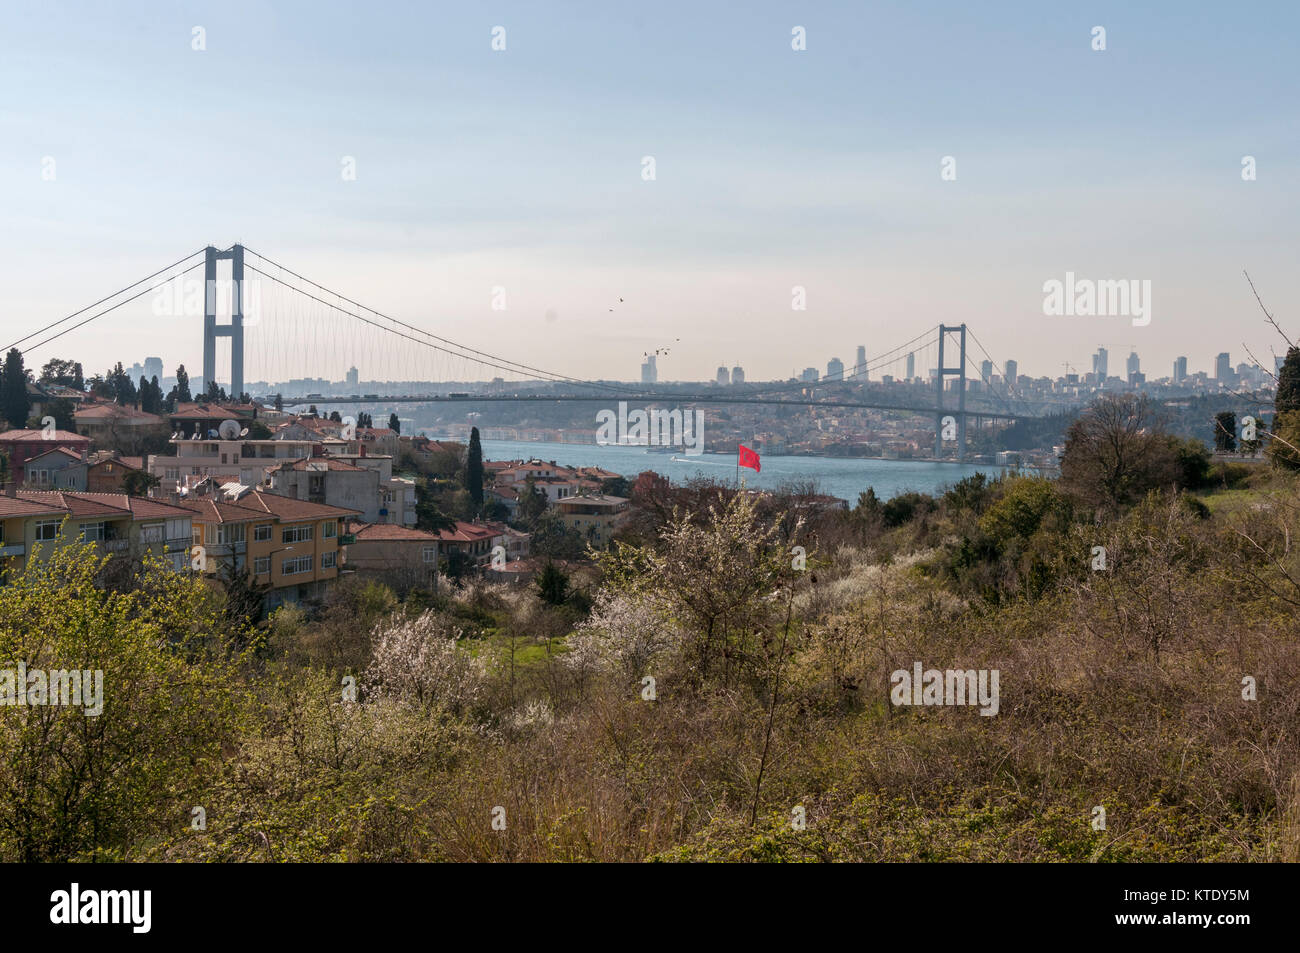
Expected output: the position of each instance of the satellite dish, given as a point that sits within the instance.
(244, 432)
(229, 430)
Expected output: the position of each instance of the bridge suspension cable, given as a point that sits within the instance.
(101, 301)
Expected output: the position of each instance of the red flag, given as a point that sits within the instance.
(748, 458)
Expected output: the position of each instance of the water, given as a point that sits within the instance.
(837, 476)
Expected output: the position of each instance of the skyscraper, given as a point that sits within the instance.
(1180, 370)
(353, 377)
(649, 371)
(1223, 367)
(737, 375)
(860, 367)
(986, 371)
(1134, 367)
(835, 369)
(724, 377)
(810, 375)
(1011, 373)
(911, 366)
(1101, 364)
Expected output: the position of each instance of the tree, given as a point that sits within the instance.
(183, 395)
(138, 482)
(89, 781)
(616, 486)
(336, 417)
(428, 515)
(552, 584)
(1116, 452)
(394, 424)
(532, 504)
(1225, 432)
(63, 373)
(258, 431)
(64, 413)
(474, 468)
(365, 421)
(14, 401)
(1288, 383)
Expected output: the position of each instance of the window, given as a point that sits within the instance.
(172, 473)
(430, 554)
(228, 533)
(329, 530)
(152, 532)
(40, 476)
(328, 560)
(293, 565)
(262, 534)
(47, 530)
(261, 565)
(178, 529)
(296, 534)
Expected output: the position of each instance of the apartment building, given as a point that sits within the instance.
(595, 517)
(109, 424)
(226, 461)
(360, 482)
(34, 522)
(56, 469)
(19, 446)
(291, 546)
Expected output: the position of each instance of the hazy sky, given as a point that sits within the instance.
(522, 169)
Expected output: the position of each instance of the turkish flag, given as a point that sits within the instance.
(748, 458)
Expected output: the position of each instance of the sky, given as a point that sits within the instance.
(122, 148)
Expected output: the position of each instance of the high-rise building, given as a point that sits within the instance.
(1101, 364)
(1223, 367)
(724, 377)
(911, 366)
(835, 369)
(810, 375)
(986, 370)
(860, 366)
(1180, 370)
(1134, 367)
(737, 375)
(1012, 367)
(153, 367)
(649, 371)
(353, 377)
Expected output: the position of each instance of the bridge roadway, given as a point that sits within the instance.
(651, 398)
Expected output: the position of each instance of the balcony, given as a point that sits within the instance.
(115, 545)
(17, 549)
(227, 549)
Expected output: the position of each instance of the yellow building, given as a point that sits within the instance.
(292, 546)
(595, 518)
(33, 522)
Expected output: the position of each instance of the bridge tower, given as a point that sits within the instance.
(960, 373)
(235, 329)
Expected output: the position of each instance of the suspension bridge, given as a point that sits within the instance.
(284, 326)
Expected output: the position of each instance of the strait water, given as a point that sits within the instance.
(837, 476)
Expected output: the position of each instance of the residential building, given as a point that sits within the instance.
(19, 446)
(723, 377)
(35, 521)
(56, 469)
(595, 517)
(240, 461)
(112, 426)
(291, 546)
(409, 554)
(106, 471)
(737, 375)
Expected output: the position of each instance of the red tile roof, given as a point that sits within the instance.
(465, 533)
(12, 506)
(66, 436)
(287, 508)
(391, 532)
(103, 504)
